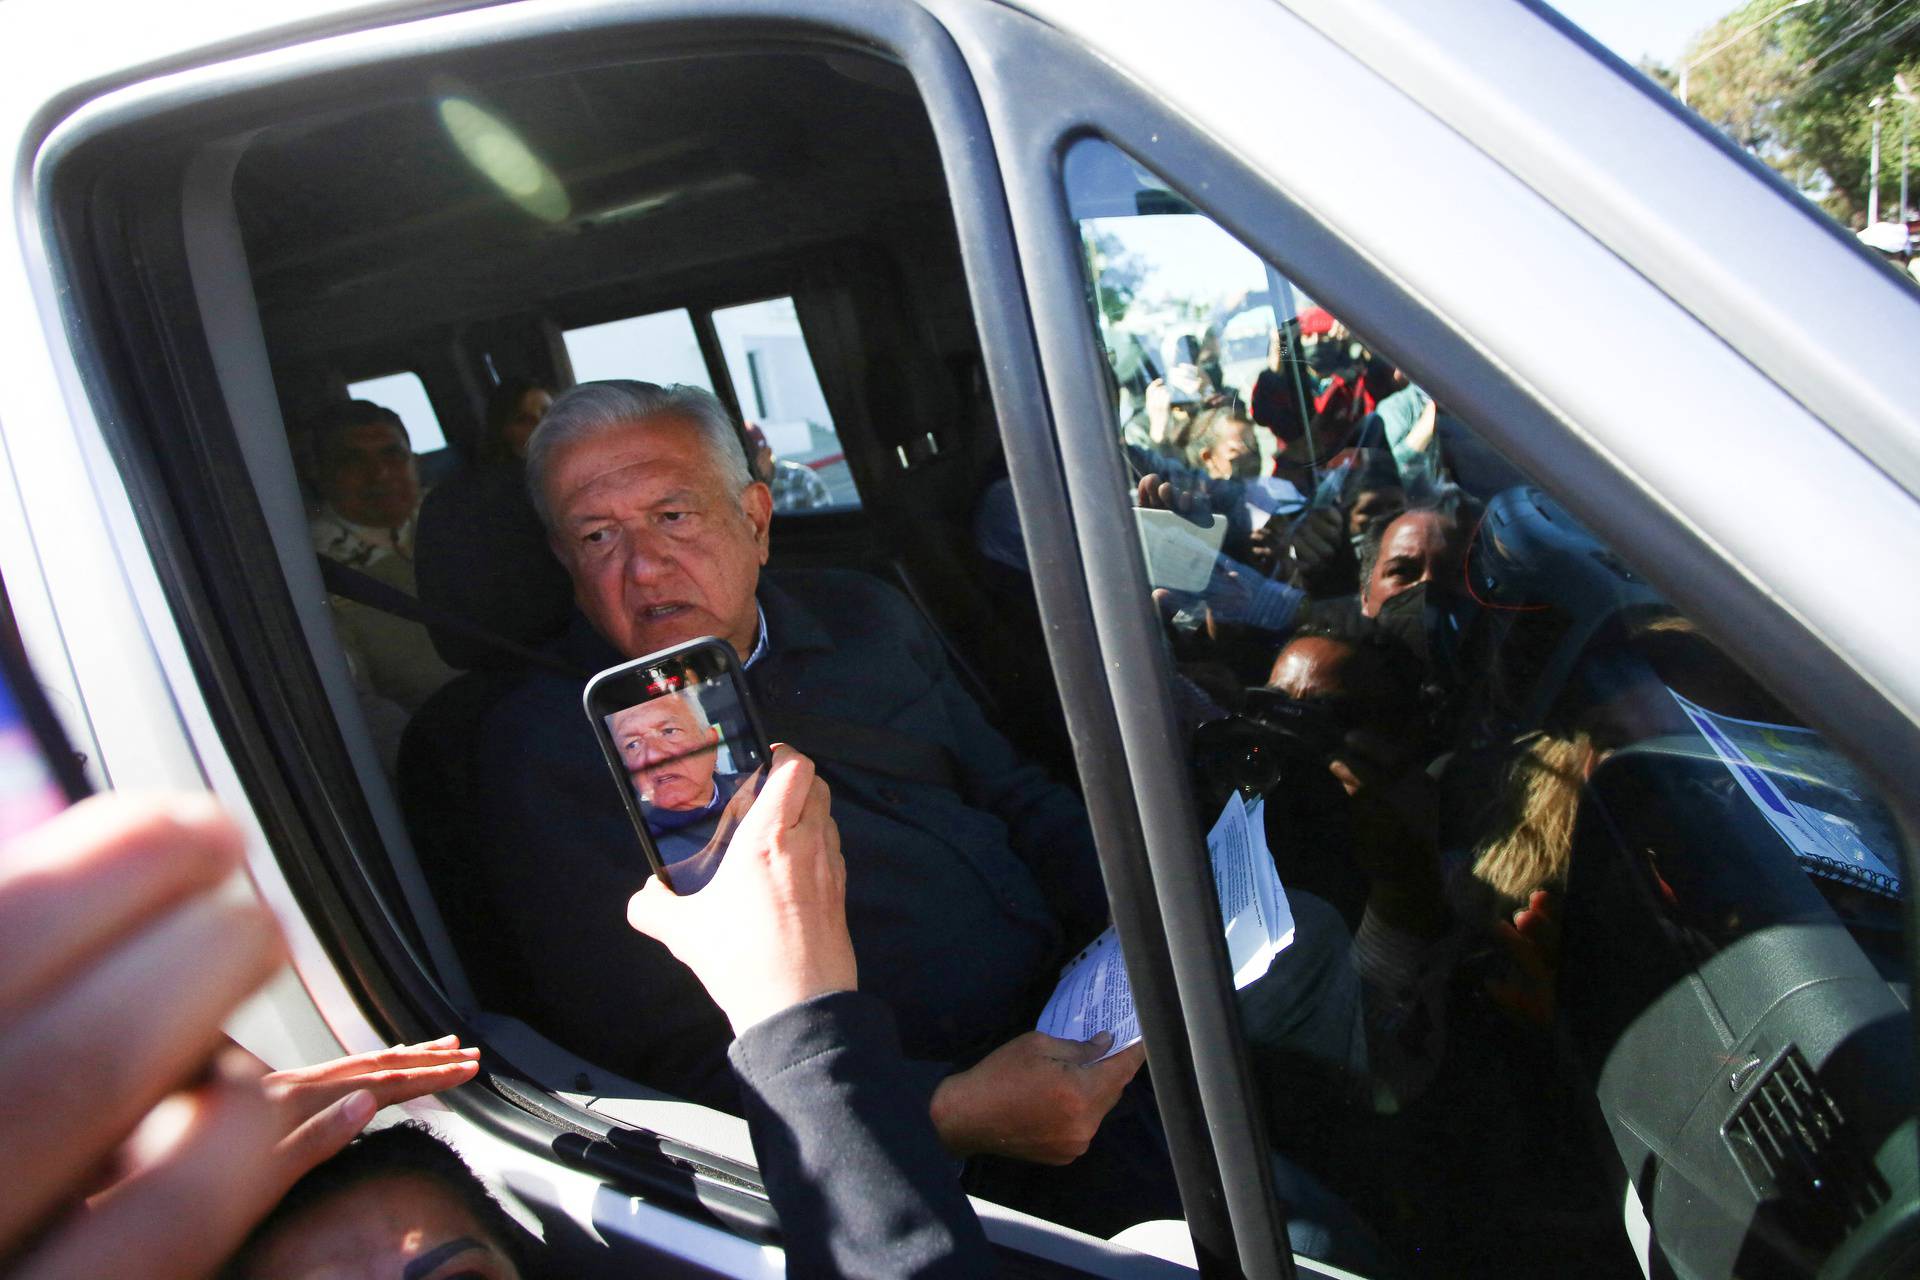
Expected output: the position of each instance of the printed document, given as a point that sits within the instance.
(1094, 995)
(1811, 794)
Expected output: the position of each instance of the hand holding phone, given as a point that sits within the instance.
(684, 743)
(770, 930)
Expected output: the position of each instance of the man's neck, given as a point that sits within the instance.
(759, 645)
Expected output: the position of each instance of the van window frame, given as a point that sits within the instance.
(1091, 99)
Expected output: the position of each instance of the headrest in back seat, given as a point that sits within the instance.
(481, 553)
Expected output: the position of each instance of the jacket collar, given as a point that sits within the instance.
(791, 628)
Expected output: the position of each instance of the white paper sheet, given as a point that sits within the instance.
(1180, 554)
(1094, 994)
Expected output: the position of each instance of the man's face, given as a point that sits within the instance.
(1417, 547)
(368, 475)
(659, 549)
(1233, 453)
(388, 1226)
(667, 754)
(518, 429)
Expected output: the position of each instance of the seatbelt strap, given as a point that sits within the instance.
(362, 588)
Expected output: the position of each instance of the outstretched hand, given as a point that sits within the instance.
(120, 954)
(306, 1098)
(770, 929)
(122, 948)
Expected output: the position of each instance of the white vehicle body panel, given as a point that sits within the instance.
(1541, 204)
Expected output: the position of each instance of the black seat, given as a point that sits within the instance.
(437, 782)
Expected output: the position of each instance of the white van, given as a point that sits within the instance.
(1689, 407)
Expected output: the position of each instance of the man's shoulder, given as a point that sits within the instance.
(843, 602)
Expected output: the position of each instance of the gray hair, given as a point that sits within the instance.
(592, 408)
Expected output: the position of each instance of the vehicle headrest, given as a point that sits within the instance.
(481, 553)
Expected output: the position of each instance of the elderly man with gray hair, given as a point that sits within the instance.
(970, 875)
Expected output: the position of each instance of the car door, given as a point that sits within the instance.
(177, 409)
(1519, 295)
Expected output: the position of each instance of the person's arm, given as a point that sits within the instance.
(848, 1152)
(121, 950)
(846, 1146)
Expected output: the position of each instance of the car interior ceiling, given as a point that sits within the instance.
(694, 183)
(704, 182)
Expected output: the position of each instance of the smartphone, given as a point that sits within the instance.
(687, 750)
(39, 773)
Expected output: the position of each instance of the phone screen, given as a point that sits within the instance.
(685, 747)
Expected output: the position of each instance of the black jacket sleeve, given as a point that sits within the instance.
(850, 1158)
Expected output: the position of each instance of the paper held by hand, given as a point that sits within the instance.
(1180, 550)
(1094, 994)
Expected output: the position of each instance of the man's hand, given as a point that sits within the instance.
(1160, 494)
(1036, 1098)
(119, 955)
(1321, 553)
(770, 929)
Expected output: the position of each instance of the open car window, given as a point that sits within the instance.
(1532, 893)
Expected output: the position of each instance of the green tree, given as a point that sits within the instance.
(1794, 84)
(1849, 52)
(1117, 274)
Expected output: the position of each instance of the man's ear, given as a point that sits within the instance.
(756, 503)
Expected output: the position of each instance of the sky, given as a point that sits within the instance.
(1635, 28)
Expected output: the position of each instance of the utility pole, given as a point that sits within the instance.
(1873, 169)
(1904, 92)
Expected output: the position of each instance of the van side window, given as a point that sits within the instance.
(660, 347)
(778, 392)
(406, 395)
(1565, 896)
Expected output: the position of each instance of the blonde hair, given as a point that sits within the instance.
(1532, 845)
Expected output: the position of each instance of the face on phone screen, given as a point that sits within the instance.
(693, 767)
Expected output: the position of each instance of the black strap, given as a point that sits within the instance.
(368, 590)
(866, 747)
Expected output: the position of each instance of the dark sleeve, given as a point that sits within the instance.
(840, 1124)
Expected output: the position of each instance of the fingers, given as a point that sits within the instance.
(214, 1167)
(82, 880)
(1120, 1068)
(321, 1136)
(388, 1085)
(431, 1053)
(783, 797)
(81, 1068)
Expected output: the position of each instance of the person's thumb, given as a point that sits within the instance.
(1087, 1052)
(782, 798)
(323, 1135)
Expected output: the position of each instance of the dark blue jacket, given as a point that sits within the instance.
(961, 901)
(850, 1158)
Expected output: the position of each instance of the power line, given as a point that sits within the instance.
(1857, 35)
